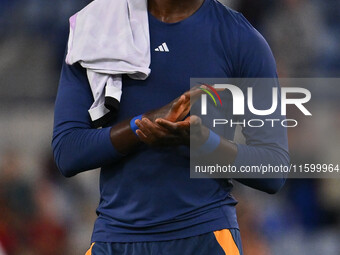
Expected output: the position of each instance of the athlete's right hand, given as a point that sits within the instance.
(177, 109)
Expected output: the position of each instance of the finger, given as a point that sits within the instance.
(177, 107)
(147, 139)
(196, 89)
(144, 128)
(199, 91)
(196, 93)
(148, 123)
(167, 124)
(184, 124)
(141, 135)
(184, 112)
(182, 107)
(178, 103)
(192, 121)
(206, 86)
(195, 120)
(174, 126)
(155, 129)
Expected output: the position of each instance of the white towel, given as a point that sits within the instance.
(110, 38)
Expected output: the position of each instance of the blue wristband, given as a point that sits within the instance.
(211, 144)
(133, 125)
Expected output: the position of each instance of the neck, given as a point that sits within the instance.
(171, 11)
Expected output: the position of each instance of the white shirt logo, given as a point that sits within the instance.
(163, 47)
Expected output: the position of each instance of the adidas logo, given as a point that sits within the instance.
(163, 47)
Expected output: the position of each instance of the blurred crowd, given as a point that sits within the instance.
(42, 213)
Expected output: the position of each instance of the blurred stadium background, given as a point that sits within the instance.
(43, 213)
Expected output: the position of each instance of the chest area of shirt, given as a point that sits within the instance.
(189, 53)
(176, 57)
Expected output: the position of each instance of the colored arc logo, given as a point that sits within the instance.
(209, 93)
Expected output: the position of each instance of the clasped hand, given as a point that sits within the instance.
(169, 126)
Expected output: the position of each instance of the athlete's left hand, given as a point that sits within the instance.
(166, 133)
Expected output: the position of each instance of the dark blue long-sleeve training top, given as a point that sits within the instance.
(148, 194)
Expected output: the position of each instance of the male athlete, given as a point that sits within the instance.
(148, 203)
